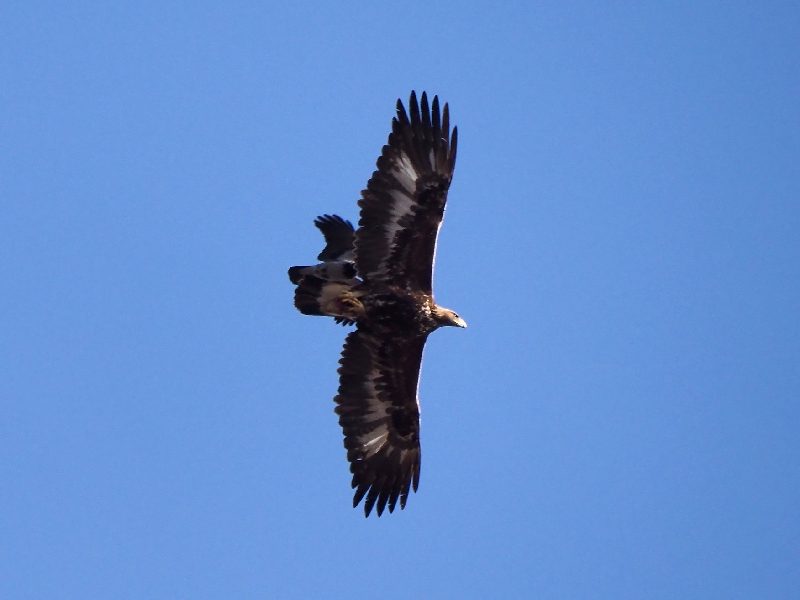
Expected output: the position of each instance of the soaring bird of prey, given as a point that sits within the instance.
(379, 277)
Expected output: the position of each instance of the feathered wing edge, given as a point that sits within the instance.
(338, 234)
(403, 205)
(379, 414)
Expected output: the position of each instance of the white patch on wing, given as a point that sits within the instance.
(416, 390)
(435, 247)
(376, 441)
(402, 199)
(402, 204)
(373, 441)
(405, 173)
(376, 408)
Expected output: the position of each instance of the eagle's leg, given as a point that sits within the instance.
(344, 305)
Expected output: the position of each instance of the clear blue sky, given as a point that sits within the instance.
(621, 418)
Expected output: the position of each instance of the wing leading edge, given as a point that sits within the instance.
(403, 205)
(379, 413)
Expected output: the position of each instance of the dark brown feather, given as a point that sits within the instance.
(393, 250)
(378, 399)
(401, 209)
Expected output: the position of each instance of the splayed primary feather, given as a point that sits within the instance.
(389, 297)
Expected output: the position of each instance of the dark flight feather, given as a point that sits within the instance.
(380, 277)
(403, 204)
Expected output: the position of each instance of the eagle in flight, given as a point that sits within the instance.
(379, 278)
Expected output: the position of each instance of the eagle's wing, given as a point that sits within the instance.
(378, 411)
(403, 205)
(338, 234)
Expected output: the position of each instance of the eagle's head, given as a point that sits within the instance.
(445, 317)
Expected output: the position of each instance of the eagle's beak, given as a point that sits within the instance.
(459, 322)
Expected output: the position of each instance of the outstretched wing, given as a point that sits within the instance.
(403, 205)
(378, 411)
(338, 234)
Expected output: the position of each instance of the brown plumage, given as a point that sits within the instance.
(380, 278)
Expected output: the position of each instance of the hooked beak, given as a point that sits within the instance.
(459, 322)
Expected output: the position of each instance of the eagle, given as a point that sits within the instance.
(378, 277)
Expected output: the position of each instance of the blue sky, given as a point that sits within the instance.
(620, 420)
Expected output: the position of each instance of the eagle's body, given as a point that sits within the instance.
(379, 277)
